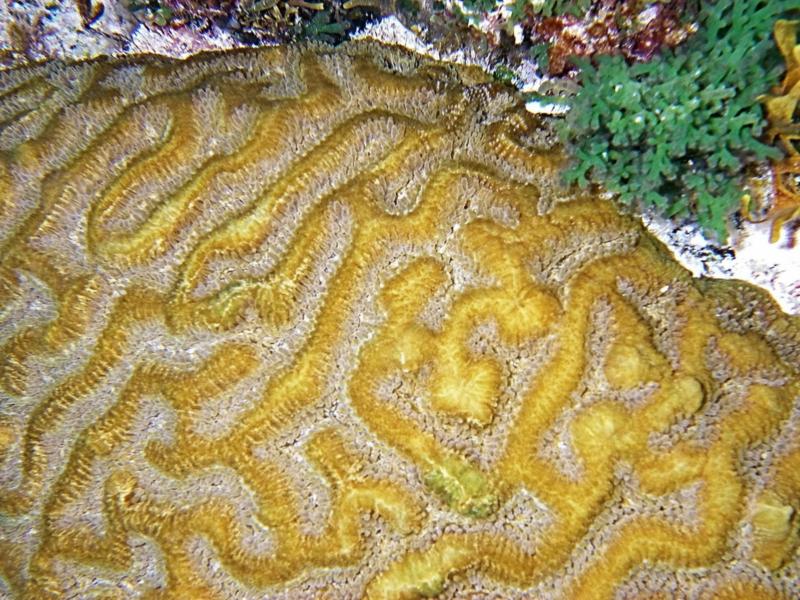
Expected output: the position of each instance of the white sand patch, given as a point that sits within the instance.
(750, 256)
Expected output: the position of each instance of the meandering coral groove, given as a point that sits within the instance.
(310, 323)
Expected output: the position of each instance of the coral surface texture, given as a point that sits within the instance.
(317, 323)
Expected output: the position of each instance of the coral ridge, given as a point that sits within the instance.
(308, 322)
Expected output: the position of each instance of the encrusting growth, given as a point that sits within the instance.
(308, 323)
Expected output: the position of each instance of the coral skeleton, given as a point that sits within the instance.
(303, 322)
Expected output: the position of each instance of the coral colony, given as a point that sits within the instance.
(305, 322)
(674, 107)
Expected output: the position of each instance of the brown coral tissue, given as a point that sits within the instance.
(316, 323)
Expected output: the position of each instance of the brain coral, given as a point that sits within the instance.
(315, 323)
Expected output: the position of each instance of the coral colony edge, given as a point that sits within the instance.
(316, 323)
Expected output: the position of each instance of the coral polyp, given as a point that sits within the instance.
(308, 323)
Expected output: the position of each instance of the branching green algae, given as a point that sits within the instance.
(322, 323)
(678, 133)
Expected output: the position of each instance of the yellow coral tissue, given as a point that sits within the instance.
(316, 323)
